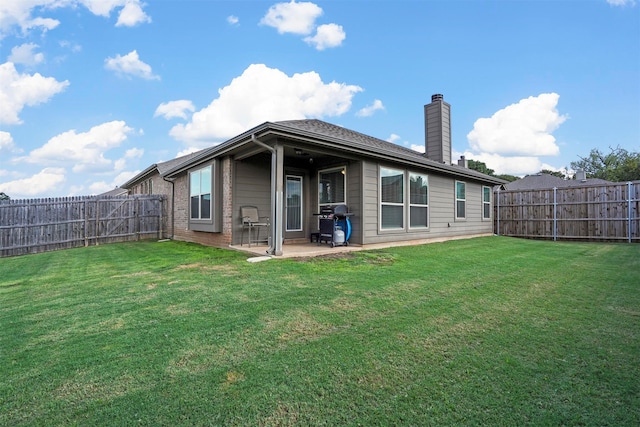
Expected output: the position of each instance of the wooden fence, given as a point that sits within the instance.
(607, 212)
(39, 225)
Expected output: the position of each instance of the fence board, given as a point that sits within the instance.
(606, 212)
(38, 225)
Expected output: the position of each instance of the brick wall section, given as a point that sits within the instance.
(181, 211)
(227, 197)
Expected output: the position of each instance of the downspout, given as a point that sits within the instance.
(173, 197)
(275, 246)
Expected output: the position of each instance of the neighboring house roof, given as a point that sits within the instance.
(161, 168)
(118, 191)
(332, 136)
(545, 181)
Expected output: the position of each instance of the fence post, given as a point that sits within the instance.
(555, 214)
(97, 230)
(498, 213)
(136, 212)
(629, 211)
(86, 222)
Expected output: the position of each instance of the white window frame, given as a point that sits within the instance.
(300, 178)
(485, 202)
(458, 217)
(419, 205)
(200, 194)
(383, 203)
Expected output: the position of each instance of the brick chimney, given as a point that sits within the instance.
(437, 130)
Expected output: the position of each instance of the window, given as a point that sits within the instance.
(332, 187)
(391, 199)
(461, 200)
(200, 191)
(294, 203)
(486, 202)
(418, 201)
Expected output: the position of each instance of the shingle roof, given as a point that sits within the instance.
(170, 164)
(162, 167)
(327, 129)
(320, 132)
(545, 181)
(350, 138)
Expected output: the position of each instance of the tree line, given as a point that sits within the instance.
(618, 165)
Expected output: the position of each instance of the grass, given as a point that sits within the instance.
(489, 331)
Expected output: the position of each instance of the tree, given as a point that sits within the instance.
(509, 178)
(480, 167)
(3, 196)
(619, 165)
(559, 174)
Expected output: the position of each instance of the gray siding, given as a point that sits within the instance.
(252, 187)
(354, 201)
(442, 222)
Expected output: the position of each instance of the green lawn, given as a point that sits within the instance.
(490, 331)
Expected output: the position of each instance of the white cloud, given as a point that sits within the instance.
(233, 20)
(393, 138)
(130, 65)
(370, 109)
(520, 129)
(292, 17)
(25, 55)
(173, 109)
(7, 144)
(121, 163)
(44, 182)
(622, 2)
(420, 148)
(327, 35)
(98, 187)
(20, 13)
(18, 90)
(73, 47)
(131, 15)
(85, 150)
(265, 94)
(188, 150)
(513, 139)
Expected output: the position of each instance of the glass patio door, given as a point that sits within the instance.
(293, 206)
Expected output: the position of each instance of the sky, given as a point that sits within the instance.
(94, 91)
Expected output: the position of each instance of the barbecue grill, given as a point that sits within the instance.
(335, 226)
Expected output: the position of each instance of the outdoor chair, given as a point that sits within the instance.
(252, 222)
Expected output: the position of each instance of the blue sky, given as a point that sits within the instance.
(94, 91)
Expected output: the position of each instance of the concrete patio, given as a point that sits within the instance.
(301, 250)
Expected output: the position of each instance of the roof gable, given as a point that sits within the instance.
(545, 181)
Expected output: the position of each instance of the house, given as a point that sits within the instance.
(544, 181)
(291, 170)
(116, 192)
(152, 181)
